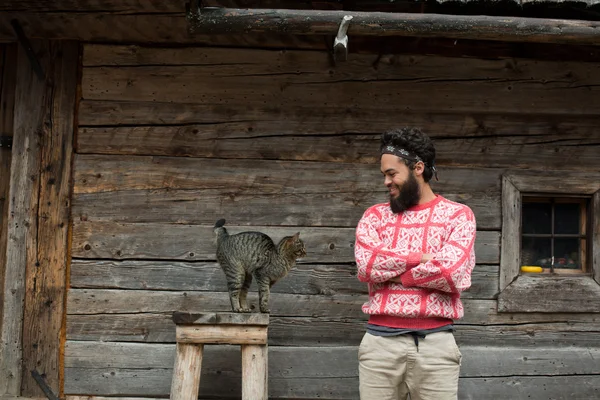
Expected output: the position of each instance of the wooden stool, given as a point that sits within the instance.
(193, 331)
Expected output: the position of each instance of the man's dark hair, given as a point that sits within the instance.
(414, 141)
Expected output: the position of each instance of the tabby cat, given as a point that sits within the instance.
(254, 254)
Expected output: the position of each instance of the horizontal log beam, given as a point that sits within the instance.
(255, 28)
(213, 20)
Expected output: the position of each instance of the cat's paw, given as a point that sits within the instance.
(265, 310)
(246, 309)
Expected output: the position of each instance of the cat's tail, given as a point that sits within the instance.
(220, 231)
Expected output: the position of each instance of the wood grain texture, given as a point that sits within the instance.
(47, 272)
(283, 331)
(83, 301)
(136, 6)
(478, 93)
(255, 372)
(72, 397)
(326, 22)
(108, 173)
(578, 183)
(476, 118)
(133, 24)
(186, 374)
(333, 307)
(553, 150)
(21, 398)
(99, 174)
(114, 240)
(91, 6)
(291, 370)
(222, 334)
(223, 318)
(297, 374)
(510, 247)
(8, 63)
(531, 361)
(133, 27)
(485, 50)
(4, 171)
(536, 387)
(238, 188)
(204, 207)
(539, 293)
(596, 236)
(23, 218)
(189, 65)
(292, 61)
(480, 140)
(207, 276)
(580, 387)
(532, 331)
(269, 118)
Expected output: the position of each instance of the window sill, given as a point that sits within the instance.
(549, 294)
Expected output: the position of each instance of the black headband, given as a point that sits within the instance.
(400, 152)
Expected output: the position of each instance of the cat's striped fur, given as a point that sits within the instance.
(253, 254)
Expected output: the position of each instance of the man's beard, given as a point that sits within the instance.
(408, 195)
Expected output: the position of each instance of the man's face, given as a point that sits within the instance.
(401, 182)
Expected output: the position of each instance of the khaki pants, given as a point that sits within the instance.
(391, 368)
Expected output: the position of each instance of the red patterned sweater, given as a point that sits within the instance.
(389, 245)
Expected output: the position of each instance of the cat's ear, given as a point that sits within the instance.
(296, 236)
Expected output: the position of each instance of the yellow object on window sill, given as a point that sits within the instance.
(531, 268)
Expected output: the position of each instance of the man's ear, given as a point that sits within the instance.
(419, 168)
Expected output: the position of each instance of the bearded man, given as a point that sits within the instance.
(416, 253)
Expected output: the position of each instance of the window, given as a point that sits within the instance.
(550, 220)
(554, 234)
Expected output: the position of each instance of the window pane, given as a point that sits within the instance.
(537, 217)
(536, 251)
(566, 218)
(566, 253)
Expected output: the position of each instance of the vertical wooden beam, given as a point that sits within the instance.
(510, 247)
(596, 236)
(186, 374)
(7, 101)
(22, 219)
(3, 191)
(43, 321)
(39, 212)
(254, 372)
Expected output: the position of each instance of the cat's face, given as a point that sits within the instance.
(298, 246)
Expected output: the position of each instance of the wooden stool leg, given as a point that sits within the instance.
(254, 372)
(186, 375)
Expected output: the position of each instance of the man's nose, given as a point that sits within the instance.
(387, 181)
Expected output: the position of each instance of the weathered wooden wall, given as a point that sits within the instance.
(171, 139)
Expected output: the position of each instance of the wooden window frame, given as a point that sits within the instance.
(584, 234)
(547, 292)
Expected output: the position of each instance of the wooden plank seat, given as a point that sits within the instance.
(194, 330)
